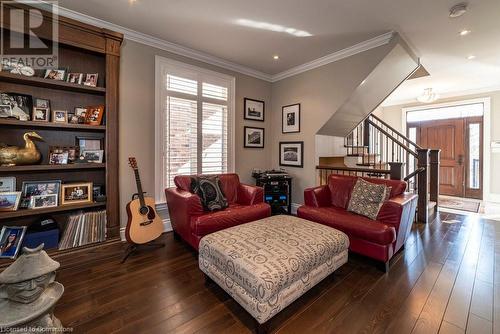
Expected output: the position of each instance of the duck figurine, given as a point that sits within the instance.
(27, 155)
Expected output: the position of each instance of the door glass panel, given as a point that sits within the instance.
(474, 155)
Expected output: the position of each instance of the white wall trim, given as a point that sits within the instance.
(295, 206)
(486, 101)
(335, 56)
(165, 45)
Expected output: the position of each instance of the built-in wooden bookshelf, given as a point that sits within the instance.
(82, 49)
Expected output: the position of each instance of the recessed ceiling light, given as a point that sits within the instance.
(458, 10)
(276, 57)
(465, 32)
(131, 2)
(471, 57)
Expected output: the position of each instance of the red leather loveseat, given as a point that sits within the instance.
(379, 239)
(246, 204)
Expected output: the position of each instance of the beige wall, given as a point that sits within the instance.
(320, 92)
(394, 116)
(137, 117)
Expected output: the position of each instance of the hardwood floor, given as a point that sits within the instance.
(446, 280)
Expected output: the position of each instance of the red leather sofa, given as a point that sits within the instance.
(379, 239)
(189, 221)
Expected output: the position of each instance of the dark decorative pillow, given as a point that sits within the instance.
(210, 191)
(367, 198)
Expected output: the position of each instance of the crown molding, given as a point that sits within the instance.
(338, 55)
(443, 96)
(162, 44)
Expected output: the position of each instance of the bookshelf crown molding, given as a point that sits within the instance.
(135, 36)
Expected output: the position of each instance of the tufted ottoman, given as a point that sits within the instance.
(266, 264)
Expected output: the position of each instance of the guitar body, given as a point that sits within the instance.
(144, 224)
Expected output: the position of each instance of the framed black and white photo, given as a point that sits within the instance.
(7, 184)
(41, 114)
(94, 156)
(290, 118)
(292, 153)
(254, 137)
(254, 109)
(21, 105)
(34, 188)
(11, 239)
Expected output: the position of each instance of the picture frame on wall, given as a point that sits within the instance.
(292, 154)
(254, 137)
(290, 118)
(254, 110)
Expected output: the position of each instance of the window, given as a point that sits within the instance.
(446, 112)
(194, 122)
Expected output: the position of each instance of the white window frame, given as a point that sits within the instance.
(161, 64)
(486, 101)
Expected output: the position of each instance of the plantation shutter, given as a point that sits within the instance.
(196, 123)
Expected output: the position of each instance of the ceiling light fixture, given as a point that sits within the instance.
(458, 10)
(465, 32)
(428, 96)
(471, 57)
(272, 27)
(276, 57)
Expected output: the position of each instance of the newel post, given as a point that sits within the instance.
(396, 169)
(423, 185)
(435, 158)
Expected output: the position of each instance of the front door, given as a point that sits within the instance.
(460, 142)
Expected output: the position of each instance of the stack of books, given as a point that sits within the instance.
(83, 229)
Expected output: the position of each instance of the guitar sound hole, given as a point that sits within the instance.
(144, 210)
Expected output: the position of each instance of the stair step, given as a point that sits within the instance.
(366, 155)
(356, 146)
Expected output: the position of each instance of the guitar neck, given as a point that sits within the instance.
(139, 187)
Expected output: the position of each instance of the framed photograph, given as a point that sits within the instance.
(290, 118)
(58, 158)
(55, 74)
(254, 137)
(75, 193)
(5, 111)
(93, 156)
(75, 78)
(7, 184)
(41, 114)
(73, 119)
(41, 103)
(254, 109)
(11, 239)
(80, 112)
(93, 116)
(21, 105)
(60, 116)
(90, 143)
(91, 80)
(292, 153)
(34, 188)
(9, 201)
(43, 201)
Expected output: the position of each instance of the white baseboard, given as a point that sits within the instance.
(493, 198)
(295, 206)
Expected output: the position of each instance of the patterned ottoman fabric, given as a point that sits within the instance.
(267, 264)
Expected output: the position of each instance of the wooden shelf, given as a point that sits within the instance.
(50, 125)
(48, 83)
(34, 168)
(60, 208)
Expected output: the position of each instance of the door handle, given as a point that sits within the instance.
(460, 159)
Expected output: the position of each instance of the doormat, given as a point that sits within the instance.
(459, 204)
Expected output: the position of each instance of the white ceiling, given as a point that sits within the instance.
(210, 27)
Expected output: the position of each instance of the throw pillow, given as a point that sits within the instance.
(367, 198)
(210, 191)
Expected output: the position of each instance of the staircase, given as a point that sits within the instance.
(375, 149)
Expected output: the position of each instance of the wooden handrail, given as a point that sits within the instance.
(394, 130)
(353, 169)
(395, 140)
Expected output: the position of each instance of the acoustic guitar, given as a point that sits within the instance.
(144, 224)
